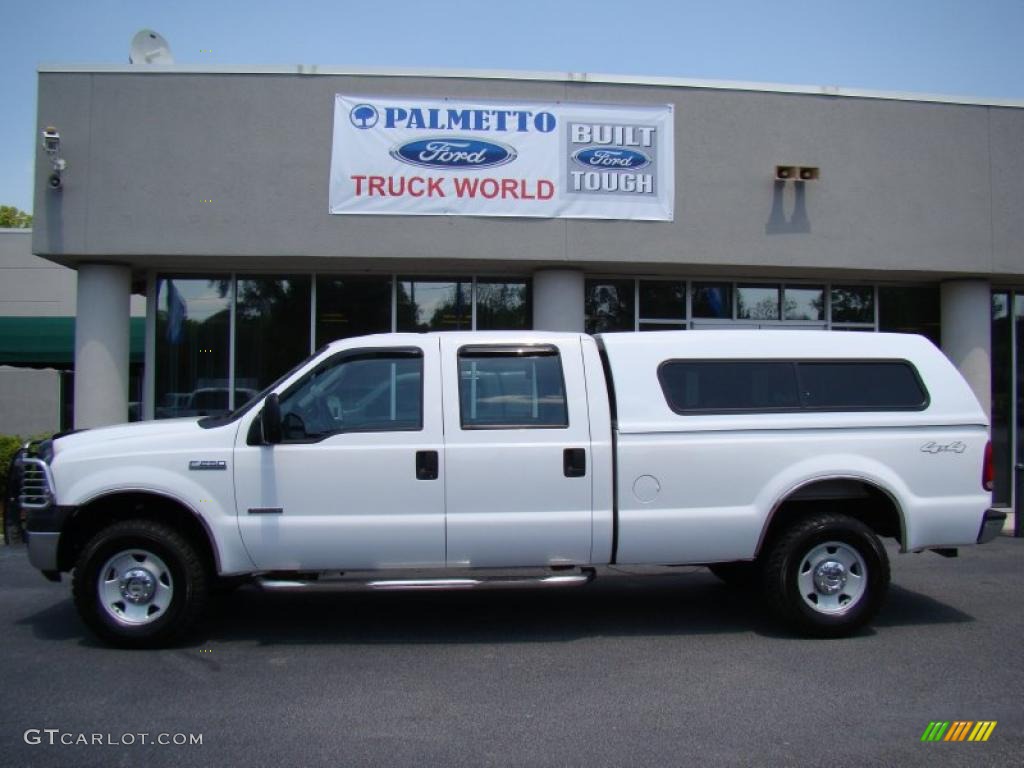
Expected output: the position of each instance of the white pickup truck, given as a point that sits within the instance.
(407, 461)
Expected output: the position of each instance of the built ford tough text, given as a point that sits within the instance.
(408, 461)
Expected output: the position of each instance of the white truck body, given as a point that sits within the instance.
(657, 485)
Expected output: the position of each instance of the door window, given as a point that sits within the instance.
(369, 392)
(511, 387)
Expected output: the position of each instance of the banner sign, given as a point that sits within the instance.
(414, 157)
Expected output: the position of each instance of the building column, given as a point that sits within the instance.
(101, 345)
(967, 334)
(558, 300)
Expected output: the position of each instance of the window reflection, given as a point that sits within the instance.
(503, 305)
(1002, 388)
(351, 306)
(910, 309)
(1019, 320)
(192, 345)
(804, 303)
(662, 326)
(662, 300)
(609, 306)
(434, 305)
(853, 304)
(757, 302)
(271, 330)
(712, 300)
(355, 395)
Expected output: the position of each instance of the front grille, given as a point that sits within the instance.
(35, 492)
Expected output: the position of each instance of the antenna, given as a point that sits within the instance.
(149, 47)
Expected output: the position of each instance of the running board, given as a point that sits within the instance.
(582, 577)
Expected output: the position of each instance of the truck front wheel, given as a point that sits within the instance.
(139, 583)
(826, 575)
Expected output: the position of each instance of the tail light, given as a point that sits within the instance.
(988, 469)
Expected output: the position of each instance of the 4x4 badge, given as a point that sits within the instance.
(934, 447)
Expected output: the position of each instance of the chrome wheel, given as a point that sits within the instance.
(832, 578)
(135, 587)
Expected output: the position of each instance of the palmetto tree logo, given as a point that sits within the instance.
(363, 116)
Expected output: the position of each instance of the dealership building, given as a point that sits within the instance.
(263, 212)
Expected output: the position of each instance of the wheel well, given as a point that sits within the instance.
(99, 513)
(856, 498)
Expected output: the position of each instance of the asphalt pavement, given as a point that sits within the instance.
(663, 670)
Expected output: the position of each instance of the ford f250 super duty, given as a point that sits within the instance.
(401, 461)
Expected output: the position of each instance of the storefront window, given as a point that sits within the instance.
(712, 300)
(661, 325)
(271, 330)
(804, 303)
(609, 306)
(351, 306)
(853, 304)
(662, 300)
(193, 321)
(434, 305)
(757, 302)
(910, 309)
(503, 305)
(1002, 393)
(1019, 339)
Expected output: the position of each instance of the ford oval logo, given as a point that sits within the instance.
(611, 158)
(454, 153)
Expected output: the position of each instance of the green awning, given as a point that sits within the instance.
(51, 340)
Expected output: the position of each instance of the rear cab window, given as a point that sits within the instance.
(511, 387)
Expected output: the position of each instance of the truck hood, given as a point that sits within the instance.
(147, 431)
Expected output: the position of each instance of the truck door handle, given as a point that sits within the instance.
(574, 462)
(426, 465)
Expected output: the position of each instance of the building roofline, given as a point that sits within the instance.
(556, 77)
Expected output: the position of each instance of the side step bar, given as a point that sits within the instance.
(578, 579)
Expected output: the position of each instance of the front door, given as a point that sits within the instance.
(518, 459)
(358, 481)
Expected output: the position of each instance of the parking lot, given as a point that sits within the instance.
(674, 669)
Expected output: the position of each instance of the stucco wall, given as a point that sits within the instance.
(31, 286)
(29, 401)
(906, 188)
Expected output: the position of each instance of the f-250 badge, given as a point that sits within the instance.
(934, 447)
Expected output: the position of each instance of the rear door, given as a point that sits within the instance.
(517, 454)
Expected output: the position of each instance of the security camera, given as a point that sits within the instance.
(51, 140)
(55, 181)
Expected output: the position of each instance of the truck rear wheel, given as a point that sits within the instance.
(139, 584)
(826, 575)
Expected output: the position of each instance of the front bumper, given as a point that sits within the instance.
(32, 515)
(991, 525)
(42, 535)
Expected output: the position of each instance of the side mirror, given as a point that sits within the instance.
(270, 419)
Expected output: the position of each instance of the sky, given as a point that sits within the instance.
(972, 48)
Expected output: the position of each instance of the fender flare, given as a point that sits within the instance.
(806, 482)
